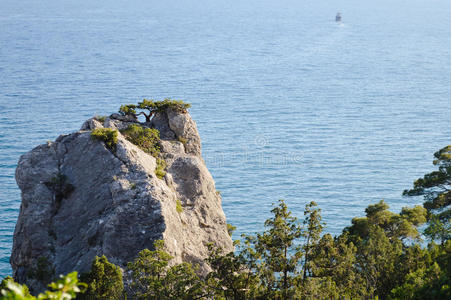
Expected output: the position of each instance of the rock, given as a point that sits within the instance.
(80, 199)
(91, 124)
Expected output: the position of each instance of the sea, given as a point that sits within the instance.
(289, 103)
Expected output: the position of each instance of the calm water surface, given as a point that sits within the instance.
(289, 104)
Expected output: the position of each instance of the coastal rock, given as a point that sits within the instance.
(81, 199)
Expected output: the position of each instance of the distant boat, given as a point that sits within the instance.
(338, 17)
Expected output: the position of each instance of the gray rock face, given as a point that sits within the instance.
(79, 200)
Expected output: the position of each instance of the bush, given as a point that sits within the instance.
(104, 281)
(106, 135)
(146, 139)
(160, 170)
(177, 105)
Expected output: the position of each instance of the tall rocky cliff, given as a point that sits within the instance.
(81, 199)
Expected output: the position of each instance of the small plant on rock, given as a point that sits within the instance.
(106, 135)
(146, 139)
(160, 170)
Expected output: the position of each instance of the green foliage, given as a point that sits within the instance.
(60, 187)
(431, 278)
(395, 226)
(149, 107)
(438, 229)
(379, 256)
(101, 119)
(312, 234)
(104, 281)
(230, 229)
(66, 288)
(436, 186)
(8, 285)
(276, 254)
(4, 281)
(287, 261)
(436, 189)
(42, 270)
(230, 277)
(153, 278)
(146, 139)
(128, 110)
(178, 206)
(106, 135)
(160, 169)
(177, 105)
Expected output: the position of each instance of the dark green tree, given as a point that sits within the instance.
(104, 281)
(230, 278)
(128, 110)
(277, 254)
(396, 226)
(312, 233)
(436, 186)
(153, 278)
(148, 105)
(431, 277)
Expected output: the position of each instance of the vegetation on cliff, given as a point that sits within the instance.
(106, 135)
(379, 256)
(148, 108)
(146, 139)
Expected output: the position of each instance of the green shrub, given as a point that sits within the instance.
(160, 169)
(106, 135)
(104, 281)
(179, 207)
(146, 139)
(101, 119)
(177, 105)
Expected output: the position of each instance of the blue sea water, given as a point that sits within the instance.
(289, 104)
